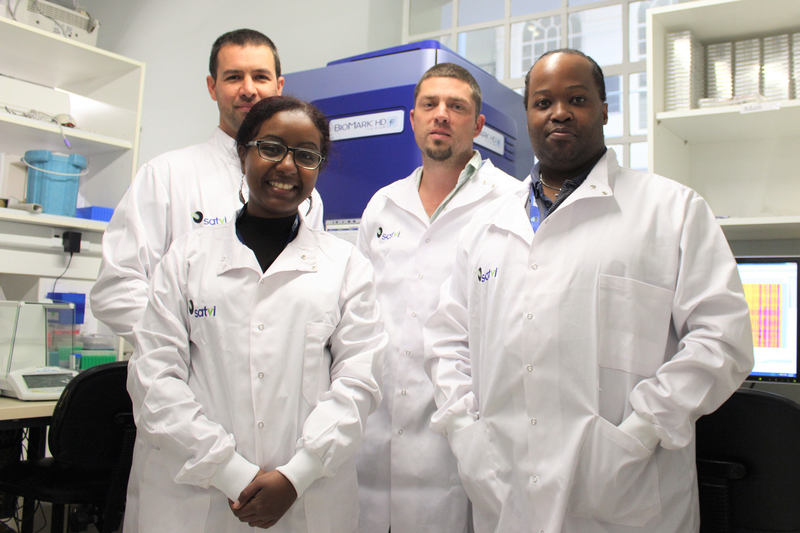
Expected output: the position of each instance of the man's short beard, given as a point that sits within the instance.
(439, 154)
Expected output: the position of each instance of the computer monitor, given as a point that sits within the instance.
(771, 290)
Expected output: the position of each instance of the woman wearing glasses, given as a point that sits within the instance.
(258, 358)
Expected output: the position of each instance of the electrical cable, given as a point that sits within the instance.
(25, 441)
(65, 271)
(57, 23)
(18, 519)
(93, 22)
(44, 117)
(38, 508)
(13, 12)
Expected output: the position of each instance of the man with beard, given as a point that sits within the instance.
(568, 382)
(187, 189)
(408, 480)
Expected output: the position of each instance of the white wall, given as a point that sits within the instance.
(174, 39)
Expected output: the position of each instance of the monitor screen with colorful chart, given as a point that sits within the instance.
(771, 289)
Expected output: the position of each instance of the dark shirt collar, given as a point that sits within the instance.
(567, 188)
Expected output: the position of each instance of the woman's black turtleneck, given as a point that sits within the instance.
(267, 237)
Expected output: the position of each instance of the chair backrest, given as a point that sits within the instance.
(87, 427)
(748, 454)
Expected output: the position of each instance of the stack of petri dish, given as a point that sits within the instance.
(796, 65)
(776, 70)
(719, 71)
(747, 67)
(685, 73)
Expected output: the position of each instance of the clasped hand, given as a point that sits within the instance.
(265, 500)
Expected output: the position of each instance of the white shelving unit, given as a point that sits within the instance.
(744, 162)
(105, 98)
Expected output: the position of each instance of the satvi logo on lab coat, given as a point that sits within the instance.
(386, 236)
(486, 276)
(202, 312)
(198, 218)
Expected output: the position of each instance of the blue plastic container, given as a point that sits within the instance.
(95, 213)
(77, 298)
(53, 180)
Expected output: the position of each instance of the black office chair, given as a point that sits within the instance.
(748, 465)
(91, 441)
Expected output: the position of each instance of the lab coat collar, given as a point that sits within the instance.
(478, 186)
(598, 184)
(299, 255)
(226, 146)
(511, 214)
(405, 195)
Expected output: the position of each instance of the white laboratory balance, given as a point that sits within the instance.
(34, 338)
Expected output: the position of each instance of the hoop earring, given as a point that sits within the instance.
(241, 195)
(310, 204)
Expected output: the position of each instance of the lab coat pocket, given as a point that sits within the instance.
(316, 361)
(633, 324)
(616, 478)
(477, 467)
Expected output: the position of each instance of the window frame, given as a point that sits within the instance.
(624, 69)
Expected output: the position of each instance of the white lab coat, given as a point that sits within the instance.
(173, 194)
(407, 474)
(627, 298)
(235, 370)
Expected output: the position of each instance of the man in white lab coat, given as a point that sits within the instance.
(408, 480)
(588, 323)
(190, 188)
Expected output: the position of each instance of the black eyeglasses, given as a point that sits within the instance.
(275, 151)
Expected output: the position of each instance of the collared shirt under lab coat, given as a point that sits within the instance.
(407, 474)
(236, 370)
(173, 194)
(627, 297)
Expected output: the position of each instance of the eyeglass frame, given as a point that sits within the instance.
(294, 151)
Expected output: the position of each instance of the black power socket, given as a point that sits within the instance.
(71, 241)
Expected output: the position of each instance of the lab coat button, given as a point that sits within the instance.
(261, 326)
(223, 258)
(605, 193)
(592, 186)
(420, 276)
(313, 267)
(427, 240)
(535, 266)
(303, 257)
(535, 479)
(533, 421)
(413, 314)
(399, 431)
(403, 392)
(260, 374)
(530, 368)
(261, 424)
(530, 316)
(408, 352)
